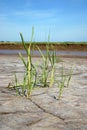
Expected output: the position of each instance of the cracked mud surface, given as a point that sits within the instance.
(42, 111)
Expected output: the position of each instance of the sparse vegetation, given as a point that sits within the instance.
(64, 81)
(58, 43)
(45, 78)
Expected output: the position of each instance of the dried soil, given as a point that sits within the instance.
(42, 111)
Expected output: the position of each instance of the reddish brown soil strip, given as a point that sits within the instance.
(72, 47)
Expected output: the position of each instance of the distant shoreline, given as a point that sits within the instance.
(73, 47)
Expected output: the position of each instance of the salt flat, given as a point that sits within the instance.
(42, 111)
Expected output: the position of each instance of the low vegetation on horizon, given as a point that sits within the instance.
(64, 43)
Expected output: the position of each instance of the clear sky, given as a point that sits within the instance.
(66, 20)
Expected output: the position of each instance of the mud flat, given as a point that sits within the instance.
(42, 111)
(70, 47)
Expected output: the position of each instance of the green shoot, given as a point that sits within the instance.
(69, 78)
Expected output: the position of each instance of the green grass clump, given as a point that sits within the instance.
(30, 71)
(31, 77)
(64, 82)
(30, 74)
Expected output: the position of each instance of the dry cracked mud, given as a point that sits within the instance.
(42, 111)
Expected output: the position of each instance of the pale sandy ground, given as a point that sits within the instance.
(42, 111)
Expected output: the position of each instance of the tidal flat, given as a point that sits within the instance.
(42, 111)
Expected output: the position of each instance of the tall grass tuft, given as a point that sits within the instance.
(48, 58)
(31, 77)
(30, 74)
(64, 82)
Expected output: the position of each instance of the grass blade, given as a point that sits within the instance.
(41, 53)
(25, 47)
(23, 60)
(69, 78)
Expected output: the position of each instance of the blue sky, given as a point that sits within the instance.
(65, 19)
